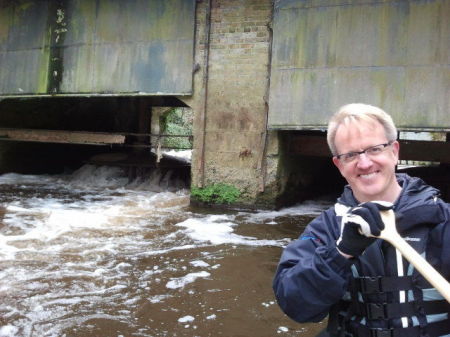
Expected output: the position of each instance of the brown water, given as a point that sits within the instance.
(88, 254)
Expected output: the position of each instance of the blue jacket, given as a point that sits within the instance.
(313, 280)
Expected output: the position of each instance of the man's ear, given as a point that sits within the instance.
(396, 149)
(337, 163)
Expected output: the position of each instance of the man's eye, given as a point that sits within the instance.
(351, 155)
(375, 149)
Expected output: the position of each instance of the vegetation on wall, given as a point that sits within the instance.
(177, 121)
(216, 194)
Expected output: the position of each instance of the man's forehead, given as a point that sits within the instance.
(356, 135)
(359, 125)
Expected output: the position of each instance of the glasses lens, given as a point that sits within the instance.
(374, 150)
(371, 151)
(349, 157)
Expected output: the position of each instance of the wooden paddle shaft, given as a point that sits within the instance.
(391, 235)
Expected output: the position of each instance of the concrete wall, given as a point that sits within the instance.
(235, 72)
(96, 47)
(231, 79)
(392, 54)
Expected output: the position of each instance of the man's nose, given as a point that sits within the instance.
(363, 160)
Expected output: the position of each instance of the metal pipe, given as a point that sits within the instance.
(205, 91)
(264, 136)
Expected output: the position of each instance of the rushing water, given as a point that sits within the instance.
(89, 254)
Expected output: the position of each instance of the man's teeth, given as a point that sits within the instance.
(367, 176)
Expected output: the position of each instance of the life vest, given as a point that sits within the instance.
(400, 303)
(424, 317)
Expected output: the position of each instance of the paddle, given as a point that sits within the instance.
(390, 234)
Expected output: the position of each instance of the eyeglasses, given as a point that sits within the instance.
(372, 151)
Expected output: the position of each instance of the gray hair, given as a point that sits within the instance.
(359, 112)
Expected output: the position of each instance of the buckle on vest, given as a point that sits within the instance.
(370, 284)
(381, 333)
(376, 311)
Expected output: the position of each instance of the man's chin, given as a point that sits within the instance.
(366, 193)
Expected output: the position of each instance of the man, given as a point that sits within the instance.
(362, 283)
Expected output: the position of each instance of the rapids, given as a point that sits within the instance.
(90, 254)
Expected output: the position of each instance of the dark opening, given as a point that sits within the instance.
(307, 174)
(307, 170)
(56, 134)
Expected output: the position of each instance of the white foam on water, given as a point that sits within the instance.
(199, 263)
(185, 319)
(310, 208)
(158, 298)
(25, 179)
(282, 329)
(90, 176)
(216, 230)
(9, 331)
(185, 155)
(180, 282)
(47, 218)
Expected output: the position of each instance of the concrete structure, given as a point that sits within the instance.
(261, 76)
(394, 54)
(325, 54)
(233, 40)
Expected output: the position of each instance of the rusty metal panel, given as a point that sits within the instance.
(394, 54)
(85, 47)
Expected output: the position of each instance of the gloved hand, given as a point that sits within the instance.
(358, 226)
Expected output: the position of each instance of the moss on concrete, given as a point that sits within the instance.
(216, 194)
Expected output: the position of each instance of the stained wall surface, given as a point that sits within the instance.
(84, 47)
(393, 54)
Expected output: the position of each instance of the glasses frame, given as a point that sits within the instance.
(355, 154)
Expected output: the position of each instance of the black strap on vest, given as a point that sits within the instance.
(440, 328)
(396, 310)
(380, 284)
(340, 323)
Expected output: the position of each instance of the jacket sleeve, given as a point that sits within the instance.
(445, 251)
(312, 275)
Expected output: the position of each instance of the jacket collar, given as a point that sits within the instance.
(416, 205)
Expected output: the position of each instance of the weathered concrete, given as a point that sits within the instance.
(230, 91)
(231, 141)
(370, 57)
(109, 47)
(393, 54)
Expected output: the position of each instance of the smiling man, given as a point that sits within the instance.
(363, 284)
(370, 172)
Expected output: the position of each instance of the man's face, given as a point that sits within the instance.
(371, 177)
